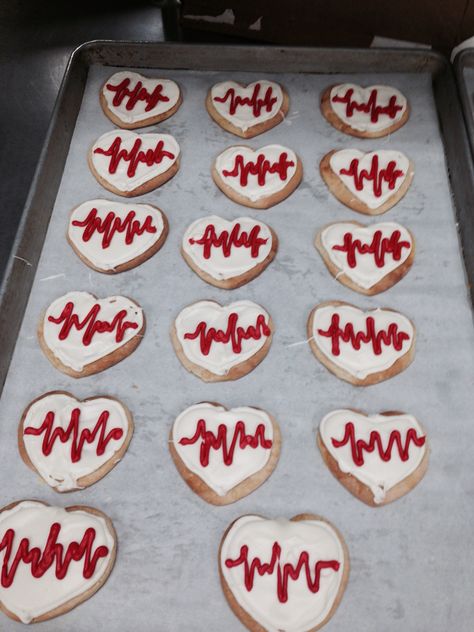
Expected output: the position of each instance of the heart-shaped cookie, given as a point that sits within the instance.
(283, 574)
(131, 100)
(367, 259)
(113, 237)
(224, 455)
(361, 347)
(365, 112)
(219, 343)
(368, 183)
(71, 443)
(52, 559)
(257, 178)
(81, 334)
(250, 110)
(378, 458)
(131, 164)
(228, 254)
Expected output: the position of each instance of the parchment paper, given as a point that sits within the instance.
(411, 562)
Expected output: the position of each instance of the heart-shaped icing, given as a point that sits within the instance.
(360, 343)
(79, 329)
(73, 443)
(223, 447)
(32, 590)
(218, 338)
(375, 109)
(126, 161)
(110, 236)
(380, 451)
(256, 174)
(366, 254)
(226, 249)
(285, 574)
(247, 106)
(133, 99)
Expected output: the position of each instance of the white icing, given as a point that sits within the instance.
(58, 469)
(170, 89)
(240, 260)
(363, 362)
(247, 461)
(379, 475)
(366, 274)
(304, 609)
(253, 190)
(244, 117)
(143, 173)
(30, 597)
(72, 352)
(118, 252)
(221, 358)
(342, 159)
(361, 121)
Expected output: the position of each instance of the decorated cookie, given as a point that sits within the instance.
(365, 112)
(378, 458)
(360, 347)
(131, 100)
(52, 559)
(250, 110)
(131, 164)
(71, 443)
(113, 237)
(257, 178)
(283, 574)
(367, 259)
(228, 254)
(81, 334)
(368, 183)
(219, 343)
(222, 454)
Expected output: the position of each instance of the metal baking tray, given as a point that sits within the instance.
(411, 562)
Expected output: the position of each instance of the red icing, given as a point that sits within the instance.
(234, 334)
(73, 433)
(379, 247)
(211, 441)
(136, 94)
(347, 334)
(375, 175)
(135, 156)
(359, 446)
(370, 107)
(255, 102)
(91, 323)
(259, 168)
(53, 553)
(226, 240)
(112, 224)
(284, 572)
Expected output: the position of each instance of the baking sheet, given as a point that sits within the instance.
(411, 562)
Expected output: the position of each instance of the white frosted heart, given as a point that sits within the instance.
(252, 538)
(226, 249)
(29, 597)
(110, 234)
(373, 178)
(67, 439)
(259, 173)
(131, 97)
(347, 435)
(246, 106)
(367, 254)
(127, 160)
(76, 315)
